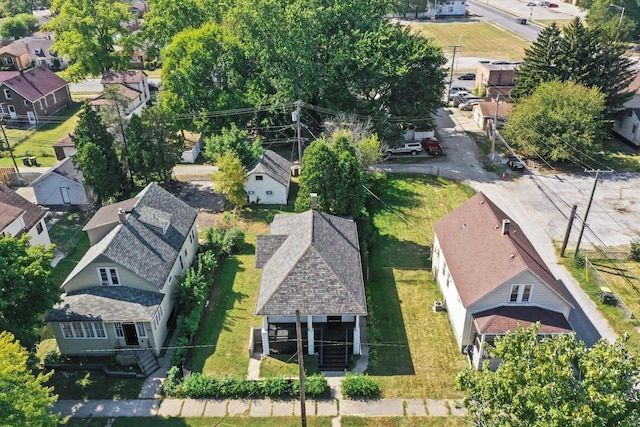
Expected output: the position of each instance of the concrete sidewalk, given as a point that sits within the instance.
(254, 408)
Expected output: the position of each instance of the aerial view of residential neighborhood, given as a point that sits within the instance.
(338, 213)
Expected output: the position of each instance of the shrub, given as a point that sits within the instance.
(634, 252)
(233, 240)
(276, 387)
(173, 383)
(362, 386)
(315, 386)
(199, 386)
(578, 261)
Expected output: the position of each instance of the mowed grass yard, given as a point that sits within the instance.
(39, 143)
(417, 356)
(479, 39)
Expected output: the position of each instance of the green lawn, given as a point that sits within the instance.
(418, 356)
(94, 384)
(613, 315)
(287, 365)
(479, 39)
(226, 421)
(40, 143)
(615, 275)
(404, 422)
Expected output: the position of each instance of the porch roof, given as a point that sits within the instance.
(500, 320)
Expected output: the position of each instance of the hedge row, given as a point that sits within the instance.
(199, 386)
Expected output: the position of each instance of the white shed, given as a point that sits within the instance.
(62, 185)
(268, 179)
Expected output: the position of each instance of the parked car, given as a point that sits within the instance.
(468, 105)
(412, 148)
(521, 21)
(453, 95)
(515, 163)
(461, 99)
(552, 5)
(543, 3)
(434, 148)
(531, 4)
(467, 76)
(456, 89)
(153, 86)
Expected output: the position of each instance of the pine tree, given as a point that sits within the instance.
(96, 155)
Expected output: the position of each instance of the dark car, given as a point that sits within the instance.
(153, 87)
(434, 148)
(515, 163)
(521, 21)
(467, 76)
(552, 5)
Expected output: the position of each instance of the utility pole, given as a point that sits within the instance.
(296, 118)
(4, 134)
(586, 214)
(453, 61)
(303, 409)
(568, 232)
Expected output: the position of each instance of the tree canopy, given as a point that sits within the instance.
(18, 26)
(96, 155)
(554, 381)
(24, 398)
(87, 32)
(331, 170)
(26, 288)
(608, 15)
(15, 7)
(230, 178)
(560, 121)
(582, 55)
(233, 139)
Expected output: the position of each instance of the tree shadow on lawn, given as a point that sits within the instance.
(217, 318)
(396, 188)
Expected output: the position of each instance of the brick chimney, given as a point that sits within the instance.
(314, 201)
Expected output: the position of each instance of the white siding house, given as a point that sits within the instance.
(268, 179)
(19, 216)
(626, 126)
(62, 185)
(492, 279)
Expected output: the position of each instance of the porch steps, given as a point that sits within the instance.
(335, 357)
(147, 362)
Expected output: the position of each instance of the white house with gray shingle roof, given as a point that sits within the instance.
(122, 292)
(268, 179)
(61, 185)
(311, 262)
(492, 278)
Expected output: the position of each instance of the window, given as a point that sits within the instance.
(259, 177)
(191, 236)
(633, 129)
(185, 252)
(181, 263)
(158, 317)
(269, 192)
(2, 110)
(39, 227)
(520, 293)
(108, 276)
(142, 332)
(26, 103)
(83, 330)
(119, 330)
(7, 94)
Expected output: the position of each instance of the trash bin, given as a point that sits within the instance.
(25, 161)
(33, 161)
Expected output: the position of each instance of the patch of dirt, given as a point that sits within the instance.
(200, 195)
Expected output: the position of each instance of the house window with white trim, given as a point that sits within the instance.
(185, 253)
(119, 330)
(108, 276)
(39, 228)
(78, 332)
(142, 332)
(158, 317)
(269, 192)
(7, 94)
(67, 332)
(520, 293)
(83, 330)
(181, 263)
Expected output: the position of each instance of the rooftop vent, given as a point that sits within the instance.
(122, 216)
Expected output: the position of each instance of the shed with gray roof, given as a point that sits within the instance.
(62, 185)
(268, 179)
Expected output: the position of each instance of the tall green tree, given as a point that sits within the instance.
(93, 35)
(331, 170)
(609, 16)
(15, 7)
(96, 155)
(233, 139)
(204, 71)
(560, 121)
(230, 178)
(554, 381)
(26, 288)
(582, 55)
(155, 145)
(25, 400)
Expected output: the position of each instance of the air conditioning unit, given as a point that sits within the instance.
(438, 306)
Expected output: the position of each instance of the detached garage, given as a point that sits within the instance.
(63, 184)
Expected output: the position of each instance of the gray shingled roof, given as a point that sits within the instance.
(314, 266)
(273, 165)
(64, 168)
(140, 246)
(107, 304)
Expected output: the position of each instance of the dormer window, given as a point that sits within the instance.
(520, 293)
(108, 276)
